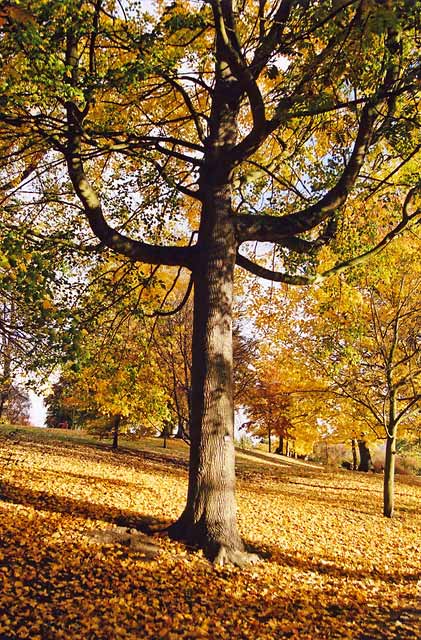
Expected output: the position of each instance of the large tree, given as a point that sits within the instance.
(251, 121)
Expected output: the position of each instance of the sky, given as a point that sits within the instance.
(38, 411)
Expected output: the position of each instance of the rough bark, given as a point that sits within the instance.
(209, 519)
(389, 475)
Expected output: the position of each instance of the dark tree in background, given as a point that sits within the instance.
(365, 456)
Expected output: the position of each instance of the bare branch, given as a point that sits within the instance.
(177, 309)
(268, 274)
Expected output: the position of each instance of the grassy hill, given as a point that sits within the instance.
(332, 566)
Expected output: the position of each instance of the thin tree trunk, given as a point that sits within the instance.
(116, 428)
(389, 475)
(281, 445)
(270, 440)
(3, 397)
(181, 433)
(354, 454)
(6, 372)
(164, 435)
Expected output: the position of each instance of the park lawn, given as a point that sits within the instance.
(332, 566)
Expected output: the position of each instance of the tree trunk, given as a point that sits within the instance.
(116, 428)
(389, 475)
(365, 457)
(209, 519)
(179, 433)
(3, 398)
(6, 372)
(183, 430)
(354, 454)
(281, 445)
(165, 434)
(270, 440)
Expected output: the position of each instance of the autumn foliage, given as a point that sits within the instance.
(331, 567)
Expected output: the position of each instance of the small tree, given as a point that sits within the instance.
(369, 346)
(18, 408)
(267, 410)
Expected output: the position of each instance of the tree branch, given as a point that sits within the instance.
(274, 229)
(134, 249)
(231, 51)
(268, 274)
(172, 312)
(277, 276)
(272, 38)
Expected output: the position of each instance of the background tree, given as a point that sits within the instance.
(169, 114)
(116, 385)
(115, 380)
(379, 368)
(362, 336)
(58, 413)
(6, 370)
(267, 410)
(18, 407)
(37, 326)
(172, 347)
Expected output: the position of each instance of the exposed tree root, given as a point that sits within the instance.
(126, 537)
(180, 532)
(217, 552)
(233, 556)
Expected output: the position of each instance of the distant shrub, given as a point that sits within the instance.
(378, 465)
(408, 465)
(405, 465)
(246, 442)
(331, 455)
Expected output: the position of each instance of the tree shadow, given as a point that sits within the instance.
(46, 501)
(283, 462)
(121, 459)
(327, 565)
(357, 500)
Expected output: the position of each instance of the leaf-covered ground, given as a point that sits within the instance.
(332, 566)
